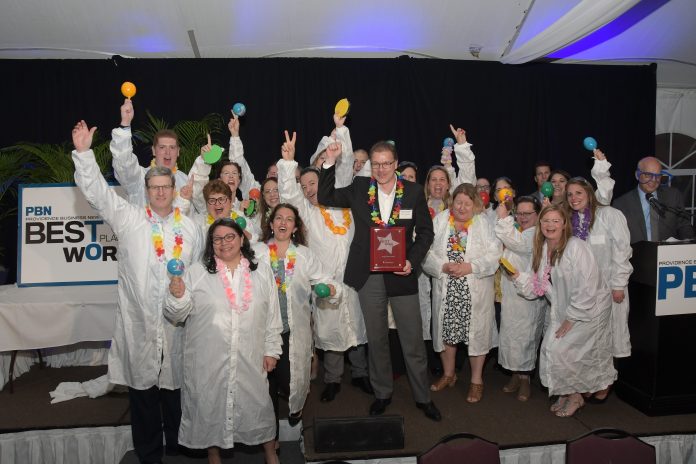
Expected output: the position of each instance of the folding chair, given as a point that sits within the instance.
(609, 446)
(461, 448)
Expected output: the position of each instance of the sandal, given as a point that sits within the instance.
(594, 399)
(570, 408)
(475, 392)
(559, 404)
(525, 389)
(443, 382)
(513, 385)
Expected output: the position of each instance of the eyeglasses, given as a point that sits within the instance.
(385, 165)
(217, 201)
(269, 191)
(524, 214)
(159, 188)
(234, 175)
(644, 177)
(231, 237)
(551, 221)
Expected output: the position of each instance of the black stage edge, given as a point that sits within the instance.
(658, 379)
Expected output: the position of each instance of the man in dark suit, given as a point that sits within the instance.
(654, 212)
(384, 206)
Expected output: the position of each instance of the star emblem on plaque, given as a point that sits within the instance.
(387, 249)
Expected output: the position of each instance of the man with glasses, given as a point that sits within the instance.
(385, 200)
(145, 351)
(654, 212)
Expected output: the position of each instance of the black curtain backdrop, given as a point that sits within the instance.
(513, 115)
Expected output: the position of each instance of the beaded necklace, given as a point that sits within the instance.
(337, 230)
(458, 238)
(158, 237)
(231, 297)
(581, 226)
(291, 257)
(396, 209)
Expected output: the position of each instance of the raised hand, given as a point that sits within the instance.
(177, 287)
(206, 148)
(287, 151)
(186, 191)
(127, 112)
(598, 154)
(446, 157)
(339, 121)
(233, 125)
(333, 151)
(82, 136)
(459, 134)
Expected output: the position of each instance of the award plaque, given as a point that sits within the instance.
(387, 249)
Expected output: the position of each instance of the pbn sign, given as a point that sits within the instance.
(676, 280)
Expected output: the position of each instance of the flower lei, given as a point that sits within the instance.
(231, 297)
(291, 256)
(541, 285)
(458, 238)
(396, 209)
(233, 215)
(581, 228)
(153, 164)
(431, 210)
(337, 230)
(158, 238)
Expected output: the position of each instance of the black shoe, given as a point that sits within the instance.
(330, 391)
(379, 406)
(430, 410)
(294, 419)
(363, 383)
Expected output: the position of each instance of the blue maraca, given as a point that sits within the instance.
(448, 142)
(239, 109)
(175, 267)
(590, 143)
(322, 290)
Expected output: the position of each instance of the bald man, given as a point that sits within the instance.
(654, 212)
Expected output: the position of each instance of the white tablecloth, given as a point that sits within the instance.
(42, 317)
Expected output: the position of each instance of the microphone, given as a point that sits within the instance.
(655, 204)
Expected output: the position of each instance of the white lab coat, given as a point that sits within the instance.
(610, 241)
(146, 348)
(521, 320)
(605, 184)
(581, 361)
(131, 175)
(483, 252)
(466, 162)
(225, 393)
(337, 326)
(236, 154)
(344, 163)
(309, 271)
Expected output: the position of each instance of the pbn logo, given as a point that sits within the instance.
(70, 232)
(37, 211)
(672, 277)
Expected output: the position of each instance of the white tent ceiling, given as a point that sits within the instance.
(511, 31)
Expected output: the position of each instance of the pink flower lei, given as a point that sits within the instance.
(231, 297)
(541, 285)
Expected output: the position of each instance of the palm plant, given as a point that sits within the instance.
(192, 135)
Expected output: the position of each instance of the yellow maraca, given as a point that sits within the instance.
(128, 89)
(504, 195)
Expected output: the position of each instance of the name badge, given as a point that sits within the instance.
(597, 239)
(406, 214)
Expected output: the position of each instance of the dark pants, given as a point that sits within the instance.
(153, 411)
(279, 378)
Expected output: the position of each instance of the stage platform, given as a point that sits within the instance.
(30, 424)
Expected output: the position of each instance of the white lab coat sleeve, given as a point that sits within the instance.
(452, 175)
(274, 324)
(118, 212)
(621, 268)
(237, 155)
(583, 278)
(178, 309)
(525, 286)
(514, 240)
(437, 254)
(485, 263)
(200, 171)
(344, 164)
(605, 184)
(127, 170)
(289, 190)
(318, 274)
(466, 162)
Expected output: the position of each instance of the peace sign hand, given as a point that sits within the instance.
(459, 134)
(287, 151)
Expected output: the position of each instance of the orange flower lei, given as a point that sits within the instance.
(338, 230)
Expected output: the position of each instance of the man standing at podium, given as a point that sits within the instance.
(654, 212)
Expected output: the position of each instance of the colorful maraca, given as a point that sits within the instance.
(485, 198)
(504, 195)
(128, 89)
(448, 142)
(254, 197)
(590, 143)
(239, 109)
(547, 189)
(175, 267)
(213, 155)
(322, 290)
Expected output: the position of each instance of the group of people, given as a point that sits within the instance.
(207, 352)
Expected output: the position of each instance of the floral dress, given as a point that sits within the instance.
(457, 308)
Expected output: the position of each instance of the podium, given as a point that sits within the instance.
(659, 377)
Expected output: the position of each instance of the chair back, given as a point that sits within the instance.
(609, 446)
(461, 448)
